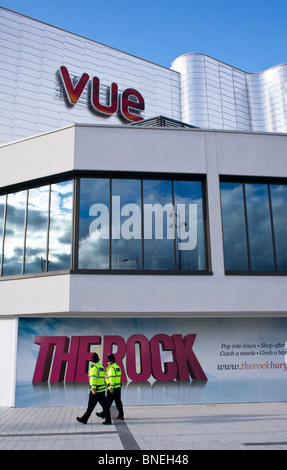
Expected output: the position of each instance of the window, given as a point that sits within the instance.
(159, 225)
(94, 245)
(259, 227)
(189, 225)
(151, 225)
(35, 229)
(37, 224)
(109, 224)
(126, 230)
(2, 214)
(254, 220)
(234, 229)
(278, 194)
(59, 247)
(13, 256)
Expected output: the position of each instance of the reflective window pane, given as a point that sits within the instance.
(234, 228)
(2, 212)
(94, 237)
(259, 227)
(36, 236)
(126, 224)
(189, 225)
(158, 225)
(60, 226)
(14, 234)
(279, 211)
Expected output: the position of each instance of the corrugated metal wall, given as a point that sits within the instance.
(218, 96)
(32, 97)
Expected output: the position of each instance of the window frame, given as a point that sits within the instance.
(253, 180)
(75, 176)
(27, 186)
(141, 176)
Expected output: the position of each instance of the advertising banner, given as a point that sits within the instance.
(163, 360)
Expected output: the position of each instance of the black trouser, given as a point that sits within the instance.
(93, 400)
(115, 396)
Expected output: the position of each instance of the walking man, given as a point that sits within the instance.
(113, 381)
(97, 392)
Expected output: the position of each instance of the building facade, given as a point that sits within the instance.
(162, 240)
(197, 90)
(215, 95)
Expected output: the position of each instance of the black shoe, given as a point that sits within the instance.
(101, 415)
(81, 420)
(120, 417)
(107, 422)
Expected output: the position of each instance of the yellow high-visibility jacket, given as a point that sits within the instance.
(113, 376)
(97, 377)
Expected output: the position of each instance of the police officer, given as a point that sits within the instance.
(113, 381)
(97, 392)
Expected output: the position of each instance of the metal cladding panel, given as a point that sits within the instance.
(197, 90)
(33, 99)
(268, 98)
(218, 96)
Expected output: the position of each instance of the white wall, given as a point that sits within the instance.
(36, 295)
(143, 149)
(37, 157)
(252, 154)
(8, 353)
(190, 296)
(139, 149)
(178, 296)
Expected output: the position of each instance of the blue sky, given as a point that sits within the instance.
(248, 34)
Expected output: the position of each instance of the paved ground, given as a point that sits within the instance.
(246, 426)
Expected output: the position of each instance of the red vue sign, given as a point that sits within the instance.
(130, 101)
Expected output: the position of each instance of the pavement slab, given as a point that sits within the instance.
(239, 426)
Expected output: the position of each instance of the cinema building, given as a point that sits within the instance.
(143, 211)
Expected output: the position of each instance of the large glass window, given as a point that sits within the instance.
(115, 224)
(14, 234)
(59, 257)
(259, 227)
(254, 220)
(159, 230)
(36, 236)
(94, 223)
(126, 249)
(189, 226)
(36, 229)
(2, 213)
(279, 211)
(141, 224)
(234, 228)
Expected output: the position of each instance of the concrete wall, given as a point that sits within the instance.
(8, 353)
(34, 158)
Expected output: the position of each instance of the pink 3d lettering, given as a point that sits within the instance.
(131, 101)
(169, 371)
(73, 92)
(144, 358)
(63, 359)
